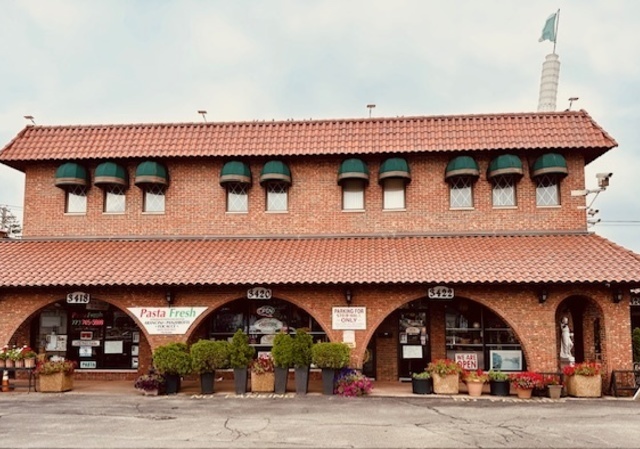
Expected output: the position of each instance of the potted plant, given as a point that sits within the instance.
(173, 361)
(282, 360)
(330, 356)
(553, 386)
(475, 380)
(583, 380)
(525, 382)
(3, 356)
(446, 376)
(56, 375)
(240, 357)
(301, 359)
(421, 383)
(206, 357)
(29, 357)
(149, 384)
(351, 383)
(262, 375)
(499, 383)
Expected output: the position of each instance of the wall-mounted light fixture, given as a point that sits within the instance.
(617, 295)
(348, 296)
(543, 295)
(169, 297)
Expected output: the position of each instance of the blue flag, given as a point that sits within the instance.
(549, 30)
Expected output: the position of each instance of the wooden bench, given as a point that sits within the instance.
(625, 380)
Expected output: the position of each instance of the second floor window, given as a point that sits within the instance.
(461, 192)
(154, 198)
(504, 191)
(114, 199)
(76, 200)
(547, 191)
(394, 194)
(237, 197)
(277, 197)
(353, 194)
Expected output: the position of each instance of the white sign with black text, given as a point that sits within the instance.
(349, 318)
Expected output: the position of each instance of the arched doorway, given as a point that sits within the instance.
(260, 320)
(96, 334)
(585, 320)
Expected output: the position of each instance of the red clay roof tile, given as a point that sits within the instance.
(521, 131)
(584, 258)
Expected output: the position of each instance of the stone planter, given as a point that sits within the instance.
(555, 391)
(263, 383)
(524, 393)
(584, 386)
(475, 389)
(281, 377)
(55, 383)
(449, 384)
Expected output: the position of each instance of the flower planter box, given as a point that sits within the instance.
(449, 384)
(584, 386)
(55, 383)
(263, 383)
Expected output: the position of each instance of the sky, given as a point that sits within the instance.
(122, 61)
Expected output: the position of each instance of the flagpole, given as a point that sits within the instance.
(555, 40)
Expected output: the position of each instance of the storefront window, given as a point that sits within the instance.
(480, 338)
(96, 335)
(262, 320)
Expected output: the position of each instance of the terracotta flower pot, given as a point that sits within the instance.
(475, 388)
(524, 393)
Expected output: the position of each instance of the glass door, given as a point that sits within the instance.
(413, 343)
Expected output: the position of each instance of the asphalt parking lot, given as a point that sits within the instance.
(101, 420)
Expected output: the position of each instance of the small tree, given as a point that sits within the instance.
(208, 356)
(173, 359)
(240, 353)
(281, 351)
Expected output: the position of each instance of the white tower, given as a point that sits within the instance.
(549, 83)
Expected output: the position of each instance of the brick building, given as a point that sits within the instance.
(412, 238)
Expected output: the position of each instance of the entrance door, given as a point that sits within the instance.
(413, 343)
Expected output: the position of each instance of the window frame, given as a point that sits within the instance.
(497, 182)
(269, 190)
(161, 190)
(231, 188)
(386, 193)
(68, 192)
(353, 186)
(109, 190)
(470, 181)
(554, 180)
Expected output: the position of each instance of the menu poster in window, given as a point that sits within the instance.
(85, 351)
(411, 352)
(467, 360)
(113, 347)
(134, 362)
(56, 343)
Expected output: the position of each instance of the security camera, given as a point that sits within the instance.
(603, 179)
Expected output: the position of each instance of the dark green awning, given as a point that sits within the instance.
(353, 169)
(150, 172)
(505, 164)
(110, 173)
(71, 174)
(550, 163)
(275, 171)
(235, 171)
(462, 166)
(395, 167)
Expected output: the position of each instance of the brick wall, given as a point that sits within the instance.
(195, 203)
(534, 324)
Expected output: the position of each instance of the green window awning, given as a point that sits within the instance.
(353, 169)
(151, 172)
(71, 174)
(549, 164)
(395, 167)
(275, 171)
(505, 164)
(235, 171)
(109, 173)
(462, 166)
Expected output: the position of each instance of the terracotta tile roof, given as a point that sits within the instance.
(521, 131)
(584, 258)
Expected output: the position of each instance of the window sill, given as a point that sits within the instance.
(394, 210)
(113, 213)
(75, 214)
(276, 211)
(353, 211)
(153, 213)
(237, 212)
(505, 207)
(556, 206)
(462, 208)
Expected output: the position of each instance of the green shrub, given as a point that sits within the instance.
(330, 355)
(422, 375)
(301, 348)
(240, 353)
(636, 344)
(173, 359)
(498, 376)
(208, 356)
(281, 351)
